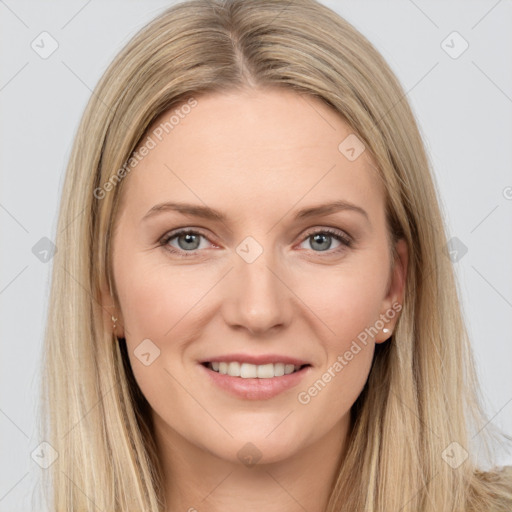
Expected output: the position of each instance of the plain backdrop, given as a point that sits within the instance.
(462, 99)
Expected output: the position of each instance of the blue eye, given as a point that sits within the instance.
(322, 239)
(189, 241)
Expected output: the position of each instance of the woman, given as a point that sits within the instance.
(251, 303)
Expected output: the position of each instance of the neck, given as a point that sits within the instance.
(196, 479)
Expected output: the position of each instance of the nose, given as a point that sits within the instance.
(256, 296)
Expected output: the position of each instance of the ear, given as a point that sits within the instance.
(110, 309)
(392, 303)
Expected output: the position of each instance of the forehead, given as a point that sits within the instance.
(252, 150)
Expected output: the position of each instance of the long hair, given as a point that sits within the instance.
(421, 405)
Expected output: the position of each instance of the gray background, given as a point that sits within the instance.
(463, 106)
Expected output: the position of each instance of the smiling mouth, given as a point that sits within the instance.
(253, 371)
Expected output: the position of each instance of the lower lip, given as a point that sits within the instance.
(255, 389)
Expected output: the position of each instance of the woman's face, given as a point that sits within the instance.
(268, 276)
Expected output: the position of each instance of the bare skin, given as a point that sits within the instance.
(258, 157)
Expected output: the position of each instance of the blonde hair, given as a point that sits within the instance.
(422, 393)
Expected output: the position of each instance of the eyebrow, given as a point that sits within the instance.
(206, 212)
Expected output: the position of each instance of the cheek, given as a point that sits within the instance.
(155, 297)
(348, 299)
(157, 305)
(348, 351)
(163, 305)
(349, 302)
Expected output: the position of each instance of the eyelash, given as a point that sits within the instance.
(346, 241)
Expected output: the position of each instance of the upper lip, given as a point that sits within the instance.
(256, 359)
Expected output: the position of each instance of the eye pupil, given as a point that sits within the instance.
(190, 239)
(322, 238)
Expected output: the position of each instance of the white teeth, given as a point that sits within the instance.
(253, 371)
(234, 369)
(265, 371)
(288, 368)
(248, 371)
(278, 370)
